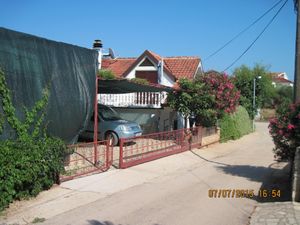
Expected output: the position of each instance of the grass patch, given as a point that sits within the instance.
(38, 220)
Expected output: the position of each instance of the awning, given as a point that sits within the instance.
(127, 86)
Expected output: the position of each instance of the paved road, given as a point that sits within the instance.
(176, 191)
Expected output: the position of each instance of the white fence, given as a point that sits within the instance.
(134, 100)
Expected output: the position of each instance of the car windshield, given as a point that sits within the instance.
(108, 113)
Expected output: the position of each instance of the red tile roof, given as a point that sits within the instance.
(276, 74)
(178, 67)
(281, 80)
(279, 77)
(118, 66)
(182, 66)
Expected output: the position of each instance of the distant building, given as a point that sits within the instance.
(280, 79)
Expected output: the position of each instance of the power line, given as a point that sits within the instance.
(243, 31)
(260, 34)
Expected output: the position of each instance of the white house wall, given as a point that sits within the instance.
(166, 79)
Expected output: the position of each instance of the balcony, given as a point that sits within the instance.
(134, 100)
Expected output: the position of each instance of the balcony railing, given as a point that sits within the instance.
(134, 100)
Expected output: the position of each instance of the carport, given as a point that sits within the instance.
(86, 158)
(120, 86)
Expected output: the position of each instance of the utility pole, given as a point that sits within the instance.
(254, 111)
(297, 56)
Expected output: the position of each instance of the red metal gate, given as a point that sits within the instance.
(149, 147)
(84, 159)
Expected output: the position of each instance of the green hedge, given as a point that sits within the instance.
(28, 167)
(233, 126)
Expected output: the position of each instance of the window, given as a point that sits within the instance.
(146, 62)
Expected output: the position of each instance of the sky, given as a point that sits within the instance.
(166, 27)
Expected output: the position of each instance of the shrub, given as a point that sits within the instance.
(285, 130)
(208, 97)
(140, 81)
(106, 74)
(224, 91)
(234, 126)
(193, 97)
(30, 162)
(30, 166)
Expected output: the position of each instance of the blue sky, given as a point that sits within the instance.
(167, 27)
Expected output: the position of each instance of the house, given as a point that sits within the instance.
(148, 109)
(280, 79)
(154, 68)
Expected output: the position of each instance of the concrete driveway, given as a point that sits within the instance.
(215, 185)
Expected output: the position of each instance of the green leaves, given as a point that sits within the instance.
(207, 97)
(106, 74)
(235, 125)
(32, 161)
(285, 130)
(244, 81)
(140, 81)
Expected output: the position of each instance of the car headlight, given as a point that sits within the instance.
(125, 128)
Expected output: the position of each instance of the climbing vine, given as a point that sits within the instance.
(30, 160)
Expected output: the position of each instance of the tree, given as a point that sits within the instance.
(244, 81)
(208, 97)
(221, 86)
(193, 97)
(283, 94)
(285, 130)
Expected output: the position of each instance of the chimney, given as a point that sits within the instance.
(98, 47)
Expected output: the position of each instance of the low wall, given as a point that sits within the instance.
(296, 177)
(211, 135)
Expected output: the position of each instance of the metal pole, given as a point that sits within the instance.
(297, 57)
(253, 103)
(98, 47)
(96, 123)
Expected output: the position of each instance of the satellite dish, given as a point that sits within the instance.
(111, 53)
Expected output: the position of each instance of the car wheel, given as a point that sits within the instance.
(112, 138)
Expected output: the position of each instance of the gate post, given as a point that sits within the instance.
(182, 139)
(121, 153)
(201, 135)
(107, 153)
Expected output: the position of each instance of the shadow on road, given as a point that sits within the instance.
(207, 160)
(96, 222)
(275, 179)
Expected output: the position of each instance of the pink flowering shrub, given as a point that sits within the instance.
(285, 130)
(225, 92)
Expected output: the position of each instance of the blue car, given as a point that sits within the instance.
(111, 126)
